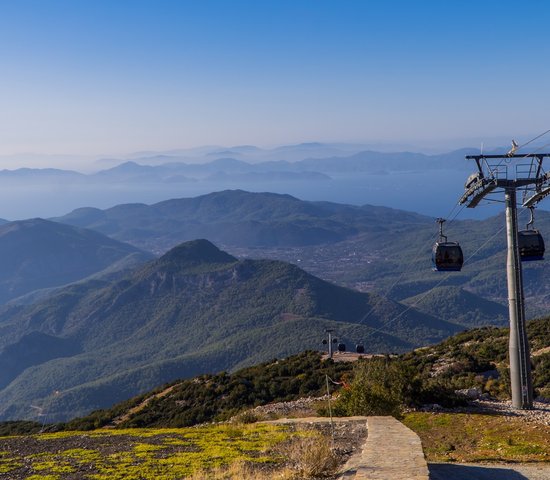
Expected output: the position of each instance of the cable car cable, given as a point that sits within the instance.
(533, 139)
(410, 307)
(411, 263)
(384, 296)
(521, 158)
(379, 330)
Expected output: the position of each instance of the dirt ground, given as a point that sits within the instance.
(348, 438)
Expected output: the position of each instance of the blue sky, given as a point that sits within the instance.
(112, 76)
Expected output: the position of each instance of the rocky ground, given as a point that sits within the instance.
(303, 407)
(540, 413)
(306, 407)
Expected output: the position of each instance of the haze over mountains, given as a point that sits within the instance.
(39, 254)
(343, 173)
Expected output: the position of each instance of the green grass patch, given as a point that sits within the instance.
(479, 438)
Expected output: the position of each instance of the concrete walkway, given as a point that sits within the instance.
(391, 452)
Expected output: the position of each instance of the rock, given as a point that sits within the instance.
(431, 407)
(470, 393)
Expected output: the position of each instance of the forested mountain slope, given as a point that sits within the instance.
(37, 254)
(194, 310)
(239, 218)
(368, 248)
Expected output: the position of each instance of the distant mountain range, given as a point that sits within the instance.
(227, 165)
(240, 218)
(251, 153)
(344, 173)
(196, 309)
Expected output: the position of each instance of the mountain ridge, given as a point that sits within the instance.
(236, 217)
(163, 321)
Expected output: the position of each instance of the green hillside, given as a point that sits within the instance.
(194, 310)
(220, 396)
(239, 218)
(478, 358)
(386, 249)
(475, 358)
(39, 254)
(460, 306)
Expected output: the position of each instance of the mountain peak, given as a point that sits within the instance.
(195, 253)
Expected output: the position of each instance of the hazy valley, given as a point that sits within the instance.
(130, 323)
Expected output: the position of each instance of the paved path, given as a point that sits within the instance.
(391, 452)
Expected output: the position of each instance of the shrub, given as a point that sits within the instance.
(381, 386)
(246, 416)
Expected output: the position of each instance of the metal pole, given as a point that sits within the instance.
(329, 344)
(520, 361)
(330, 412)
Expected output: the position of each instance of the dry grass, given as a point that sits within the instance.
(242, 471)
(307, 456)
(310, 456)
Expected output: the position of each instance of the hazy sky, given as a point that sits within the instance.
(115, 76)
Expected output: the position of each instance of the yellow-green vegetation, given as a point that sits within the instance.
(142, 454)
(7, 464)
(42, 477)
(479, 438)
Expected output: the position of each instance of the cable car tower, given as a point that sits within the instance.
(504, 173)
